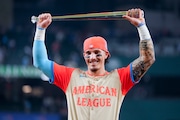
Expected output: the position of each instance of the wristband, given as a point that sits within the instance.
(143, 32)
(40, 34)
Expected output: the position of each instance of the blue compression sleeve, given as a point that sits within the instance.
(40, 59)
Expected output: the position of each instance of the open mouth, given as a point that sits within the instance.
(94, 62)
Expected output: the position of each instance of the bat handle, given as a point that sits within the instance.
(34, 19)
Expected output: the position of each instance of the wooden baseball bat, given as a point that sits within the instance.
(116, 15)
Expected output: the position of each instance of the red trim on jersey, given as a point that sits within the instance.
(62, 75)
(125, 79)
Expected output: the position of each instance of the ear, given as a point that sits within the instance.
(83, 54)
(107, 54)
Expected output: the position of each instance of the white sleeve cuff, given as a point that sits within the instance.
(40, 34)
(143, 32)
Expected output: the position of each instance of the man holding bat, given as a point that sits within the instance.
(95, 94)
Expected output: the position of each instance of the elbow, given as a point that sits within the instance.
(152, 60)
(35, 64)
(148, 60)
(38, 63)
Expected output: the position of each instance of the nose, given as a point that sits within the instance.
(92, 56)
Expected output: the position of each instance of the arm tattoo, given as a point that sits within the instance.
(145, 60)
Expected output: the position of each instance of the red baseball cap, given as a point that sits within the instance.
(96, 42)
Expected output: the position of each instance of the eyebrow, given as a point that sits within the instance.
(95, 51)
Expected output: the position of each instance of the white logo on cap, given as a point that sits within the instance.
(90, 46)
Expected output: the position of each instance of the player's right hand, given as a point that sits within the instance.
(44, 20)
(135, 16)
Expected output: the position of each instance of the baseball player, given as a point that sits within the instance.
(95, 94)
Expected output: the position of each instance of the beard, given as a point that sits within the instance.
(94, 69)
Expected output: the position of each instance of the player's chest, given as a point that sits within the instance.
(99, 86)
(85, 81)
(97, 92)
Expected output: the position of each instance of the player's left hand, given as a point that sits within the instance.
(135, 16)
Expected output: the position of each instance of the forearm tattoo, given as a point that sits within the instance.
(145, 60)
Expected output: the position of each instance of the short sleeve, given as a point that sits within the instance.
(126, 79)
(62, 76)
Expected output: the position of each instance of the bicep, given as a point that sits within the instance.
(47, 68)
(139, 68)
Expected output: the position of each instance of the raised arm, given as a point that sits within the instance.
(40, 57)
(146, 47)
